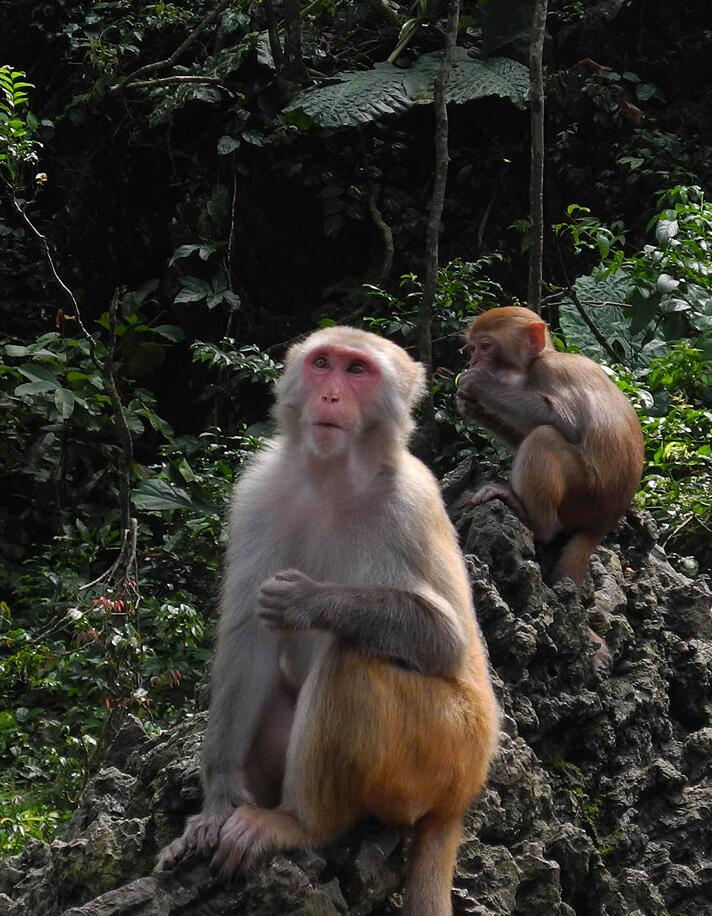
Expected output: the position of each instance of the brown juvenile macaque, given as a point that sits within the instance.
(577, 439)
(350, 678)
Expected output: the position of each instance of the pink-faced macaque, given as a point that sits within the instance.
(350, 678)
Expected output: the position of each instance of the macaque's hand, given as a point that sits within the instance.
(482, 373)
(284, 600)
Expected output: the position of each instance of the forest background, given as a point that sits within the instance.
(187, 187)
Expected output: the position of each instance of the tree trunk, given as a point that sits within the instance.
(536, 181)
(432, 240)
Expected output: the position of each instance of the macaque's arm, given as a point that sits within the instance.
(519, 409)
(419, 630)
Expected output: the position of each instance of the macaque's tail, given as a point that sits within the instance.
(576, 556)
(431, 866)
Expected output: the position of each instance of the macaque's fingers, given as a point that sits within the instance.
(283, 618)
(172, 854)
(207, 836)
(272, 619)
(280, 605)
(277, 594)
(292, 575)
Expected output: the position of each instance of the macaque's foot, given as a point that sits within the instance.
(242, 841)
(500, 491)
(249, 833)
(201, 835)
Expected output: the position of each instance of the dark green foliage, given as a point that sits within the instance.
(199, 189)
(363, 96)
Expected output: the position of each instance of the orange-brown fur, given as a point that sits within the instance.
(579, 485)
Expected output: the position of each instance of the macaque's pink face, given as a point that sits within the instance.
(341, 385)
(482, 348)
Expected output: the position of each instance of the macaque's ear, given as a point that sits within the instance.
(535, 337)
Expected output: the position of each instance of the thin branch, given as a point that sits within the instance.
(294, 69)
(536, 179)
(573, 295)
(179, 51)
(228, 260)
(273, 36)
(53, 268)
(177, 81)
(386, 234)
(121, 428)
(106, 368)
(435, 213)
(488, 209)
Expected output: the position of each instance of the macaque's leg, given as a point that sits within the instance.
(544, 467)
(431, 865)
(314, 808)
(264, 768)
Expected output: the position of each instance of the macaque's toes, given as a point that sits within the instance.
(601, 658)
(201, 835)
(487, 494)
(237, 849)
(207, 836)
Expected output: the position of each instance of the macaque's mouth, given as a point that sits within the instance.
(328, 425)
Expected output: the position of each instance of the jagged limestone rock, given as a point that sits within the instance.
(600, 801)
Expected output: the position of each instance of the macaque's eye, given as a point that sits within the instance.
(357, 368)
(486, 345)
(321, 362)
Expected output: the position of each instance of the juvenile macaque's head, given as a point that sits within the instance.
(509, 337)
(341, 385)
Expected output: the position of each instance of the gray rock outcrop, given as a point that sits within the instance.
(599, 804)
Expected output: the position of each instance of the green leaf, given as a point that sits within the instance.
(184, 251)
(227, 145)
(158, 495)
(185, 470)
(30, 388)
(644, 311)
(645, 91)
(134, 423)
(39, 374)
(232, 299)
(665, 230)
(359, 97)
(194, 289)
(158, 423)
(667, 306)
(170, 332)
(474, 79)
(14, 350)
(64, 402)
(364, 96)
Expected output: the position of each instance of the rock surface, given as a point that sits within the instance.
(599, 804)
